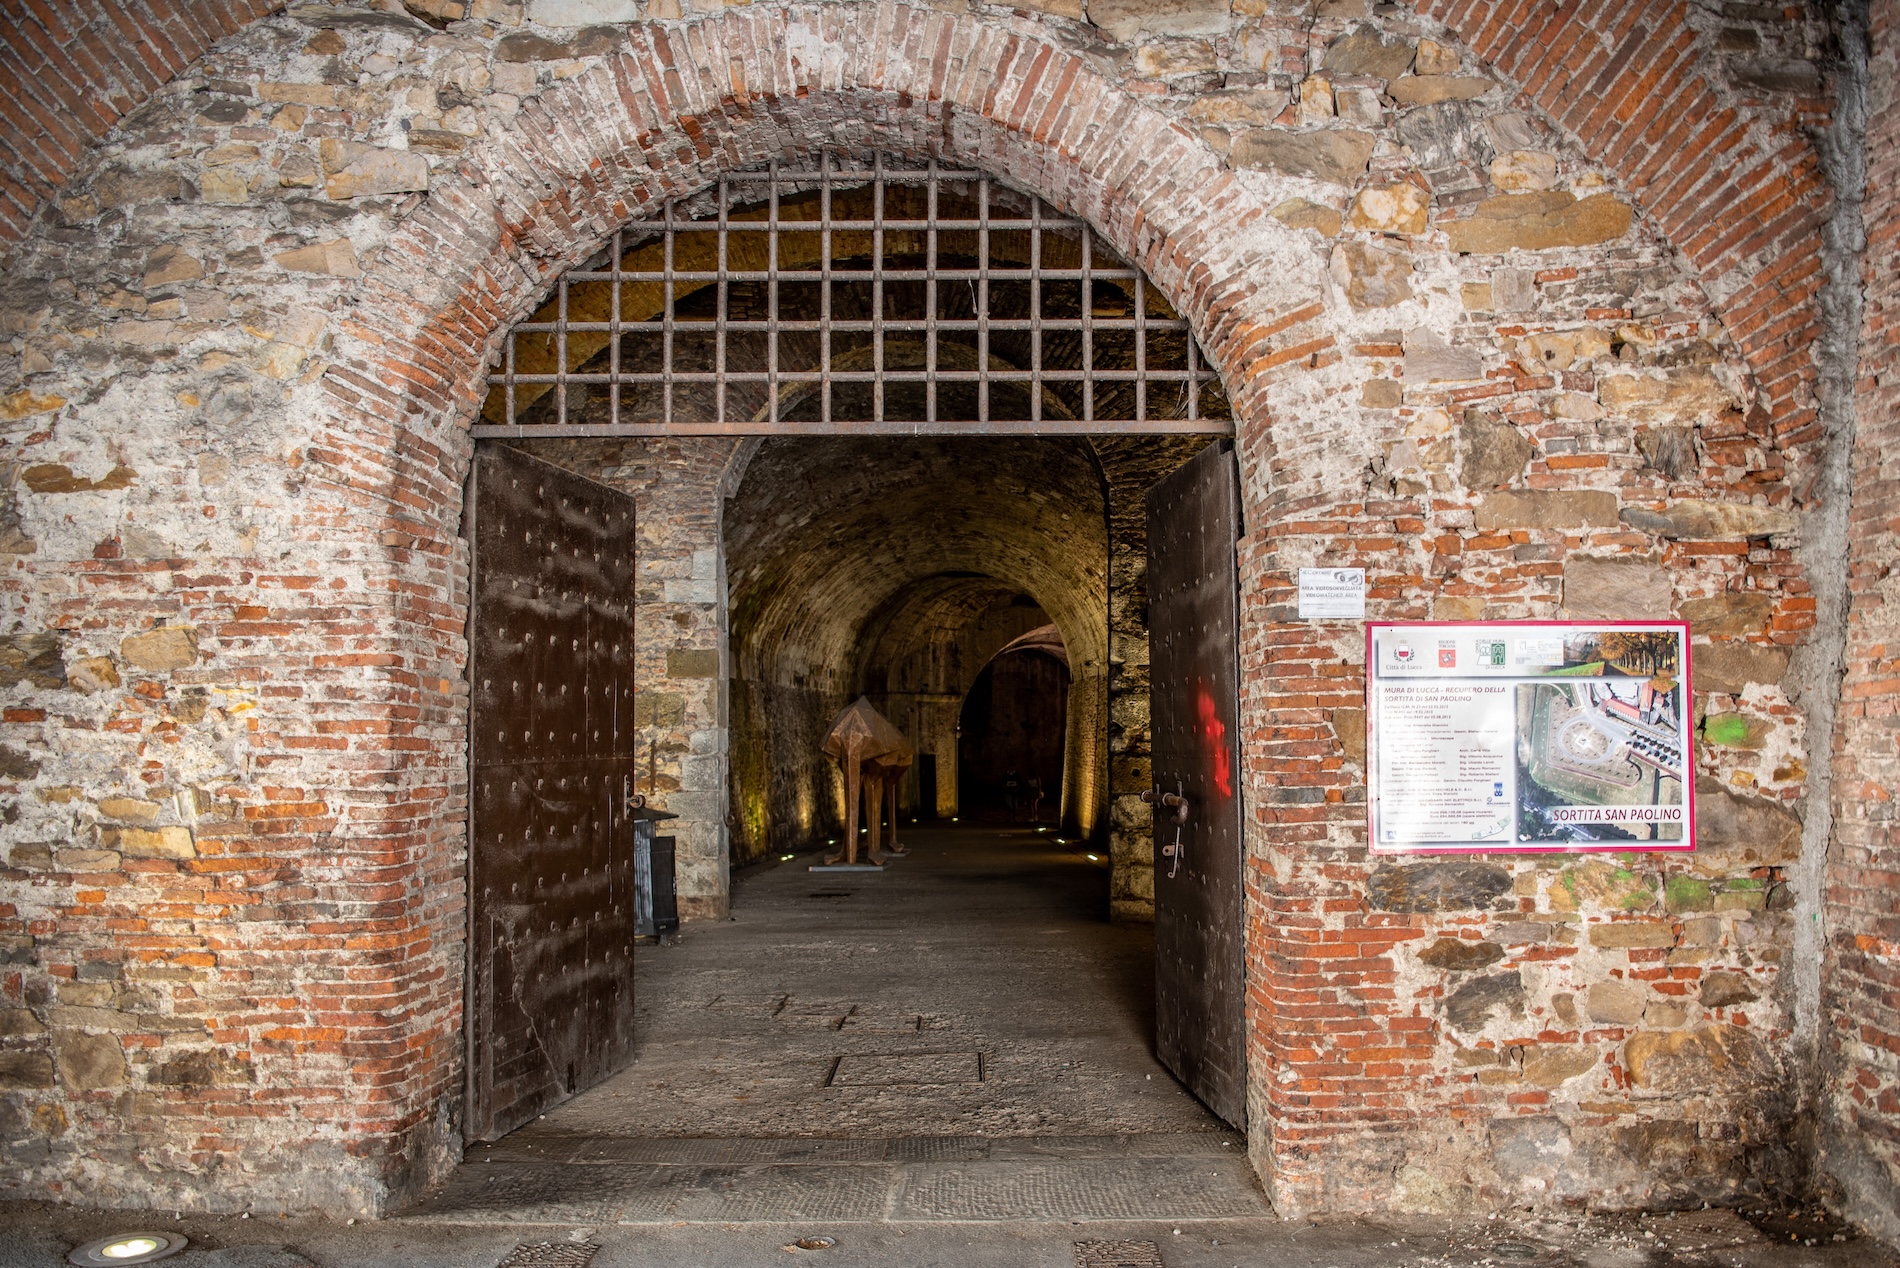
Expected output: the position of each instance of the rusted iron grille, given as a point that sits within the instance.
(859, 292)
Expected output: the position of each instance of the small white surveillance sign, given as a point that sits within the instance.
(1332, 594)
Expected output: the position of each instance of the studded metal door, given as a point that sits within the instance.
(1200, 981)
(550, 988)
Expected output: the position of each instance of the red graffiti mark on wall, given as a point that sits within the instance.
(1220, 758)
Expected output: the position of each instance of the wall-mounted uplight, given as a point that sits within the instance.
(1095, 858)
(128, 1248)
(786, 858)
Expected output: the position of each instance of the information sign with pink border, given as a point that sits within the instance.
(1521, 736)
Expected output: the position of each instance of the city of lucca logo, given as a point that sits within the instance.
(1402, 653)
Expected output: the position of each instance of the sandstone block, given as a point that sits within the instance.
(166, 648)
(1372, 276)
(1670, 450)
(1712, 1058)
(1302, 213)
(130, 810)
(34, 856)
(300, 94)
(25, 403)
(1514, 290)
(1698, 520)
(1539, 222)
(24, 1071)
(1245, 107)
(1578, 406)
(1524, 171)
(1633, 933)
(1458, 956)
(1445, 885)
(336, 258)
(1358, 105)
(1429, 90)
(1365, 52)
(1737, 730)
(1349, 726)
(15, 764)
(1555, 350)
(1546, 508)
(1123, 20)
(1728, 615)
(88, 1062)
(1381, 394)
(92, 673)
(582, 12)
(1616, 590)
(1722, 989)
(1494, 451)
(204, 1069)
(171, 264)
(55, 477)
(1175, 58)
(1686, 394)
(1434, 58)
(1687, 893)
(358, 171)
(1316, 99)
(1397, 208)
(1428, 360)
(1335, 155)
(1601, 884)
(1552, 1065)
(87, 860)
(693, 662)
(15, 1022)
(593, 41)
(32, 658)
(1614, 1004)
(1729, 667)
(1741, 830)
(224, 187)
(150, 843)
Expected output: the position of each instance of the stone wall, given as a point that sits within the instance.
(1860, 1148)
(1478, 342)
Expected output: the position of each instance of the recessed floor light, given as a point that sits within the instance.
(128, 1248)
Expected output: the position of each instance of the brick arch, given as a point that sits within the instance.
(1727, 174)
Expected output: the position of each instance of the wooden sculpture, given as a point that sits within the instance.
(874, 756)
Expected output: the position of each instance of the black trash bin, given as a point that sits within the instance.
(656, 907)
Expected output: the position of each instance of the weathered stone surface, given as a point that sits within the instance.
(1600, 884)
(1539, 222)
(1531, 1150)
(1616, 589)
(336, 258)
(1729, 667)
(1396, 208)
(1249, 107)
(1470, 1006)
(130, 810)
(1174, 58)
(25, 1071)
(1552, 1065)
(33, 659)
(92, 673)
(1615, 1003)
(88, 1062)
(1687, 894)
(584, 12)
(692, 662)
(54, 477)
(166, 648)
(1434, 58)
(1711, 1058)
(1546, 508)
(1365, 52)
(1728, 615)
(150, 843)
(1633, 933)
(1524, 171)
(204, 1068)
(355, 170)
(1381, 394)
(1335, 155)
(15, 1022)
(1459, 956)
(1514, 290)
(1372, 276)
(1298, 213)
(1722, 989)
(1689, 393)
(1714, 521)
(1428, 359)
(1358, 105)
(1444, 136)
(169, 264)
(15, 764)
(1428, 90)
(1494, 452)
(1350, 726)
(1752, 831)
(25, 403)
(1123, 20)
(522, 46)
(89, 860)
(1669, 450)
(1442, 885)
(1556, 350)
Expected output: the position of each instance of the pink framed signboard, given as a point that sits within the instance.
(1546, 736)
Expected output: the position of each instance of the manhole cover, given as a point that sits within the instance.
(1516, 1250)
(1117, 1255)
(898, 1068)
(551, 1255)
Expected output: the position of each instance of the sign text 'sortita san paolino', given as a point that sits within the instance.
(1528, 736)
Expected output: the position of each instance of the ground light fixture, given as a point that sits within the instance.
(128, 1248)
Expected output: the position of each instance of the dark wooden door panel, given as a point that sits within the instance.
(1193, 620)
(550, 998)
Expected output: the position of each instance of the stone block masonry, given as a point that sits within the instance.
(235, 711)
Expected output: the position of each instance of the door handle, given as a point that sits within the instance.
(1176, 801)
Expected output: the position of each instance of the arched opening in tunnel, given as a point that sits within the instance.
(887, 433)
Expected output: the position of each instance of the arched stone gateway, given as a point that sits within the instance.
(254, 336)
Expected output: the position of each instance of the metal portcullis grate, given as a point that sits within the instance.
(855, 292)
(1117, 1254)
(551, 1255)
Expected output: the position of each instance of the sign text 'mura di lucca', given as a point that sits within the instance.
(1527, 736)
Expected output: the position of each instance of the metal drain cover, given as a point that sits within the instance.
(913, 1068)
(1106, 1254)
(551, 1255)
